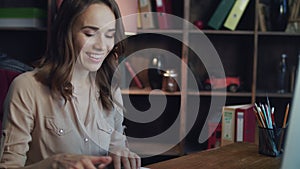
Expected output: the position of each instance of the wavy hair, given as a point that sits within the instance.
(56, 66)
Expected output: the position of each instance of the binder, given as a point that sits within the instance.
(262, 17)
(136, 79)
(163, 8)
(235, 14)
(58, 3)
(147, 18)
(230, 125)
(245, 124)
(220, 14)
(139, 19)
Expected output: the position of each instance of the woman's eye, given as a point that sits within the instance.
(88, 34)
(110, 34)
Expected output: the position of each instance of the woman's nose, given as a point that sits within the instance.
(99, 42)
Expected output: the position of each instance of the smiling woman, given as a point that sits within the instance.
(68, 112)
(94, 36)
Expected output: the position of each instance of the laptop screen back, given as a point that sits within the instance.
(291, 152)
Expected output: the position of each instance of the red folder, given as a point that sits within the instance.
(163, 8)
(245, 124)
(134, 75)
(58, 3)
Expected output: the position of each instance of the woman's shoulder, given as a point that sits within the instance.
(25, 80)
(26, 77)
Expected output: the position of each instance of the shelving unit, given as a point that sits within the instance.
(23, 44)
(246, 52)
(26, 44)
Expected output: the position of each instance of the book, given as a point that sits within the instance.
(220, 14)
(22, 23)
(29, 12)
(163, 8)
(245, 124)
(136, 79)
(235, 14)
(229, 123)
(139, 18)
(294, 10)
(147, 18)
(262, 17)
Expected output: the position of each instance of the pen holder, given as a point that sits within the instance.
(270, 141)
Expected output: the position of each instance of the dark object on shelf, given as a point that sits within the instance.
(199, 24)
(155, 72)
(232, 84)
(279, 14)
(282, 75)
(169, 83)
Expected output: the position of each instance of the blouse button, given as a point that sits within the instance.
(86, 139)
(6, 148)
(61, 131)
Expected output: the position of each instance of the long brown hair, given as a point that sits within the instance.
(55, 68)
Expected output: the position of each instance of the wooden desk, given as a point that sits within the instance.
(234, 156)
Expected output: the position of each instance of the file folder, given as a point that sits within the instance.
(220, 14)
(235, 14)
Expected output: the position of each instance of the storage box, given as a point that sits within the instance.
(22, 17)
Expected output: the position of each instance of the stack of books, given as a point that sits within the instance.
(22, 13)
(238, 124)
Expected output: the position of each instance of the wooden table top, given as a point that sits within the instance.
(233, 156)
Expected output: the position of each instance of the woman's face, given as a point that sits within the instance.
(93, 33)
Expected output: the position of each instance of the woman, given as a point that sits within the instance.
(67, 113)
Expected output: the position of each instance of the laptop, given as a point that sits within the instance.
(292, 144)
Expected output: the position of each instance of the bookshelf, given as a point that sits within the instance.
(27, 43)
(247, 52)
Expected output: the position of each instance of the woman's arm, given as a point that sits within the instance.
(19, 121)
(119, 151)
(67, 161)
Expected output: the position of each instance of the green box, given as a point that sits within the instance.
(220, 14)
(22, 13)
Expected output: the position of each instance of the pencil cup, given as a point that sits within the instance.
(270, 141)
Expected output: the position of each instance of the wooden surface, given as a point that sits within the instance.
(234, 156)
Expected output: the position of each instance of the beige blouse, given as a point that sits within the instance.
(37, 126)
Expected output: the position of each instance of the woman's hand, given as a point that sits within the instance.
(126, 158)
(71, 161)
